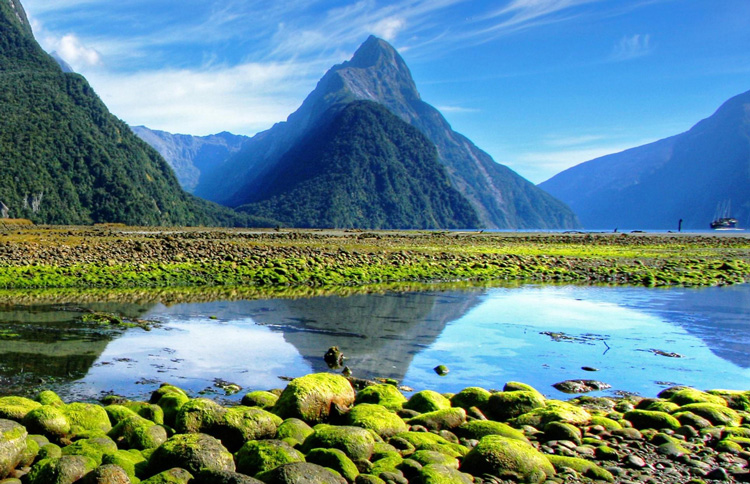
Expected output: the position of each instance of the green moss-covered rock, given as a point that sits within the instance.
(239, 424)
(668, 445)
(605, 422)
(65, 470)
(12, 445)
(301, 473)
(48, 420)
(356, 442)
(648, 419)
(515, 386)
(93, 448)
(716, 414)
(135, 432)
(687, 396)
(294, 428)
(86, 417)
(49, 451)
(192, 452)
(207, 476)
(30, 454)
(562, 431)
(175, 475)
(376, 418)
(737, 400)
(48, 397)
(383, 394)
(427, 457)
(388, 464)
(430, 441)
(662, 406)
(107, 474)
(131, 461)
(476, 429)
(448, 418)
(507, 459)
(334, 459)
(427, 401)
(504, 406)
(149, 411)
(312, 397)
(728, 445)
(262, 399)
(259, 456)
(440, 474)
(471, 397)
(198, 415)
(16, 408)
(368, 479)
(170, 399)
(553, 411)
(581, 466)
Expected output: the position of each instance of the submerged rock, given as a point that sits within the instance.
(581, 386)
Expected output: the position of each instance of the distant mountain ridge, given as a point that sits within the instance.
(500, 197)
(191, 156)
(64, 159)
(684, 177)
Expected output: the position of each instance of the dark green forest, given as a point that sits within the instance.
(64, 159)
(364, 168)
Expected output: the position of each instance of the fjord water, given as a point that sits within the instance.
(535, 334)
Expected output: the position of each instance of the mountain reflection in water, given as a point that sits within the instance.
(486, 337)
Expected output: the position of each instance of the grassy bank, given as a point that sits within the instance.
(123, 257)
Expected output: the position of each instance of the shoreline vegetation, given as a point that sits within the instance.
(119, 257)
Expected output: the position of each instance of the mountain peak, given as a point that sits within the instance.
(372, 52)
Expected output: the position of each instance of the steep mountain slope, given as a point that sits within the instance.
(65, 159)
(654, 186)
(364, 168)
(191, 156)
(377, 73)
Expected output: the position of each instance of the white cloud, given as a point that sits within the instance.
(72, 50)
(388, 28)
(456, 109)
(632, 47)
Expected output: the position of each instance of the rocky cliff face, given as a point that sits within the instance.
(377, 73)
(682, 177)
(191, 157)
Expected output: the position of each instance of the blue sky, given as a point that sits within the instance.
(541, 85)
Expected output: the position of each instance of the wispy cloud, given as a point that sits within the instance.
(632, 47)
(456, 109)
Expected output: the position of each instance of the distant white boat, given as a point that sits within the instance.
(722, 218)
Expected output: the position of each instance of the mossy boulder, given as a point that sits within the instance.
(146, 410)
(48, 420)
(198, 415)
(383, 394)
(562, 431)
(376, 418)
(388, 464)
(716, 414)
(471, 397)
(95, 448)
(87, 418)
(262, 399)
(668, 445)
(605, 422)
(661, 406)
(239, 424)
(515, 386)
(170, 399)
(259, 456)
(649, 419)
(175, 475)
(356, 442)
(207, 476)
(476, 429)
(48, 397)
(686, 396)
(503, 406)
(427, 457)
(448, 418)
(192, 452)
(107, 474)
(313, 397)
(507, 459)
(427, 401)
(131, 461)
(65, 470)
(301, 473)
(12, 445)
(430, 441)
(135, 432)
(440, 474)
(30, 454)
(553, 411)
(736, 400)
(16, 408)
(49, 451)
(295, 429)
(583, 467)
(334, 459)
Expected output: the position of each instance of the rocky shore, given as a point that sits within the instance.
(325, 428)
(125, 257)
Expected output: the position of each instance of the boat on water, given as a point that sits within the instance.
(722, 219)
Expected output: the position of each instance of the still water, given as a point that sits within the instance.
(535, 334)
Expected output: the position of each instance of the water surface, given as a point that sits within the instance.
(535, 334)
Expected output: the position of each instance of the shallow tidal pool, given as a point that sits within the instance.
(639, 340)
